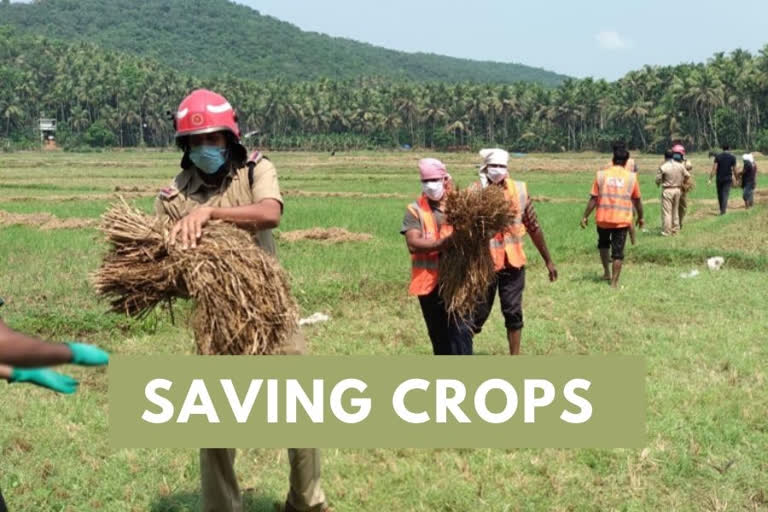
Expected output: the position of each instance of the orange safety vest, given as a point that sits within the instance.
(614, 200)
(424, 265)
(507, 245)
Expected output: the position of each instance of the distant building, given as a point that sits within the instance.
(48, 133)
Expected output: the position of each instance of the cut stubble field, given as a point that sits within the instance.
(702, 339)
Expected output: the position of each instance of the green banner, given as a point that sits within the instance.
(377, 402)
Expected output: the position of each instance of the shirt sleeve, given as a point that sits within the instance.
(410, 221)
(636, 190)
(530, 221)
(595, 189)
(265, 185)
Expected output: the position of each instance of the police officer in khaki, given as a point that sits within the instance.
(219, 181)
(688, 183)
(671, 176)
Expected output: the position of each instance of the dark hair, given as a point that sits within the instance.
(619, 144)
(668, 154)
(620, 156)
(725, 147)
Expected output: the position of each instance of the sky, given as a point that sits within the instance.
(580, 38)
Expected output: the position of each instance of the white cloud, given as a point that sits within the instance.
(612, 40)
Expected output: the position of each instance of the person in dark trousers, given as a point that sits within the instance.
(749, 180)
(724, 168)
(427, 235)
(615, 194)
(507, 249)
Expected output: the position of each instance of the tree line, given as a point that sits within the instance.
(220, 36)
(105, 98)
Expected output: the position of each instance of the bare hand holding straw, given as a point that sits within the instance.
(263, 215)
(191, 227)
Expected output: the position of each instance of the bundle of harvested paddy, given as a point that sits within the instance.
(466, 267)
(242, 296)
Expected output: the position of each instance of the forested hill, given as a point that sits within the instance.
(209, 38)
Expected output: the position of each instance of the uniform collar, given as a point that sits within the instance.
(191, 180)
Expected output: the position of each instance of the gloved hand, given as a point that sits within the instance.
(88, 355)
(45, 378)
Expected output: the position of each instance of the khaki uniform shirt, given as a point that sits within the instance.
(672, 174)
(188, 191)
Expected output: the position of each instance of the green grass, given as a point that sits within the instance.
(702, 339)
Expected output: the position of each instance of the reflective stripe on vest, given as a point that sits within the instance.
(614, 201)
(507, 246)
(425, 265)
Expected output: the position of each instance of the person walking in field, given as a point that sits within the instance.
(24, 359)
(631, 166)
(688, 184)
(671, 176)
(218, 181)
(615, 192)
(724, 169)
(507, 249)
(426, 236)
(749, 180)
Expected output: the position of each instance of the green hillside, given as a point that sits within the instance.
(214, 37)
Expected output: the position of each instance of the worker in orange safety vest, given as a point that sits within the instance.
(615, 192)
(427, 235)
(507, 249)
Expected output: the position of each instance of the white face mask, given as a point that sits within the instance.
(497, 174)
(433, 190)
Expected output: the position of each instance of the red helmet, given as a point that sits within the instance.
(678, 148)
(204, 111)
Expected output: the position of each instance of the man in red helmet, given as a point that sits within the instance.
(218, 181)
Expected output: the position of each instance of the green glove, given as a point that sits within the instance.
(45, 378)
(88, 355)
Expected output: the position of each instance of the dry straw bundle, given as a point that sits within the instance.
(326, 235)
(243, 302)
(466, 267)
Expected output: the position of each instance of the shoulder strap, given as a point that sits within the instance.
(253, 160)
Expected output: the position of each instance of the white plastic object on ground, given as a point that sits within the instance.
(316, 318)
(715, 263)
(688, 275)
